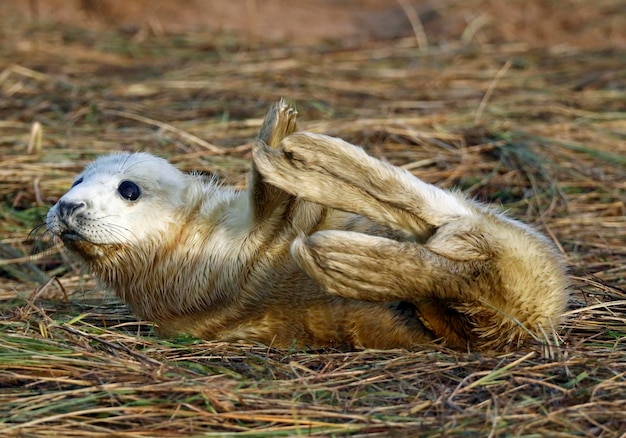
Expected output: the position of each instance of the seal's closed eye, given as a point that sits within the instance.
(78, 181)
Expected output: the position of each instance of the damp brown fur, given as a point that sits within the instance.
(328, 247)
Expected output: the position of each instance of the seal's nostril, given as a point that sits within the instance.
(68, 208)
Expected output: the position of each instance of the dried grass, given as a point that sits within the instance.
(549, 144)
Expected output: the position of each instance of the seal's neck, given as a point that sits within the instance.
(189, 266)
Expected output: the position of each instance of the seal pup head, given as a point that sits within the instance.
(142, 226)
(116, 201)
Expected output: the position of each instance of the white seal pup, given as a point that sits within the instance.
(328, 247)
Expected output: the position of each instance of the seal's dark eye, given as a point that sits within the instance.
(78, 181)
(129, 190)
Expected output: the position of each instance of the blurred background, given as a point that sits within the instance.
(580, 23)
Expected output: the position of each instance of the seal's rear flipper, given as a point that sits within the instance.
(442, 291)
(369, 268)
(475, 276)
(279, 122)
(334, 173)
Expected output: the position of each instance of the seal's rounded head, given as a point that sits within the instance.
(117, 199)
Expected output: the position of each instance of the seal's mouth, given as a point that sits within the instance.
(65, 229)
(72, 236)
(81, 246)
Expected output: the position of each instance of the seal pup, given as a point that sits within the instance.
(328, 247)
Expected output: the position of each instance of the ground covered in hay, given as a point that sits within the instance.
(538, 129)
